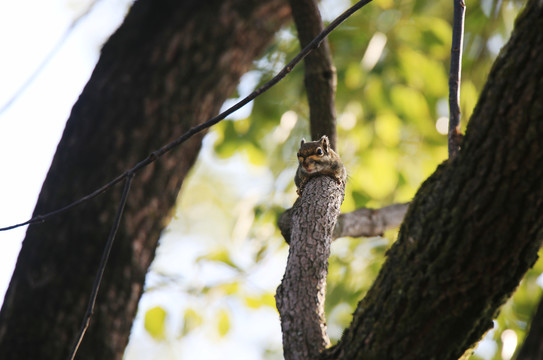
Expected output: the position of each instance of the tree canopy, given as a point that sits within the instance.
(221, 257)
(392, 63)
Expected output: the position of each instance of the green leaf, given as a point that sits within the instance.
(191, 320)
(388, 128)
(378, 173)
(155, 321)
(258, 301)
(409, 102)
(221, 255)
(223, 322)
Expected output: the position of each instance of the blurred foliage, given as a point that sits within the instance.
(155, 320)
(392, 61)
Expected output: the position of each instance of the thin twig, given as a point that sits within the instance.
(49, 56)
(455, 77)
(102, 266)
(196, 129)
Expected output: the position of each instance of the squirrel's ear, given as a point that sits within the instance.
(325, 142)
(302, 142)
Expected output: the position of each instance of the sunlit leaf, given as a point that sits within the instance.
(377, 176)
(154, 322)
(423, 73)
(409, 103)
(255, 155)
(191, 320)
(255, 302)
(388, 128)
(468, 99)
(223, 322)
(242, 126)
(230, 288)
(353, 76)
(220, 255)
(436, 35)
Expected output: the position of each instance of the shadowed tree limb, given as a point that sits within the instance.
(455, 75)
(370, 222)
(320, 73)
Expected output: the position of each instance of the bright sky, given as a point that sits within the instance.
(31, 127)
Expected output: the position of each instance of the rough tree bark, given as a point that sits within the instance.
(300, 297)
(474, 227)
(169, 67)
(363, 222)
(370, 222)
(310, 225)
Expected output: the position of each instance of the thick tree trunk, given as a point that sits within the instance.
(169, 67)
(474, 227)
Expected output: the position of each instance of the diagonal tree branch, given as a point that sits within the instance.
(102, 267)
(314, 44)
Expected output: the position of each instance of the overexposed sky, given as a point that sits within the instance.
(31, 126)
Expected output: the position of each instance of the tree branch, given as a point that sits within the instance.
(370, 222)
(320, 73)
(102, 267)
(455, 136)
(362, 222)
(300, 296)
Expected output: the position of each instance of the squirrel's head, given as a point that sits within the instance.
(323, 143)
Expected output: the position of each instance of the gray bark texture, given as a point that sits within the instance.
(169, 67)
(300, 297)
(370, 222)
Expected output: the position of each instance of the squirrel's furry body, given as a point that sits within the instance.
(317, 158)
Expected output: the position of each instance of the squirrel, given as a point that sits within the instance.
(317, 158)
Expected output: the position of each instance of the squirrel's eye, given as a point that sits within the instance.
(298, 155)
(319, 151)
